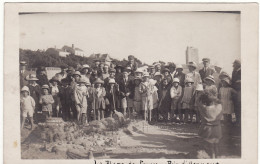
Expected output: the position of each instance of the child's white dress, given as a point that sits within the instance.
(226, 100)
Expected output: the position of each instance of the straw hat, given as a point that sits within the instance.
(211, 78)
(85, 66)
(146, 74)
(82, 80)
(25, 88)
(111, 81)
(176, 80)
(99, 81)
(45, 86)
(199, 87)
(189, 80)
(157, 64)
(192, 64)
(31, 77)
(227, 80)
(138, 70)
(158, 74)
(179, 66)
(76, 73)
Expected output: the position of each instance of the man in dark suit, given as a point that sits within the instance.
(206, 71)
(236, 74)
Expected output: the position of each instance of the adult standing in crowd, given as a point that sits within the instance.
(119, 74)
(105, 73)
(85, 72)
(151, 71)
(236, 74)
(206, 70)
(132, 63)
(236, 85)
(23, 74)
(193, 74)
(41, 75)
(172, 68)
(61, 75)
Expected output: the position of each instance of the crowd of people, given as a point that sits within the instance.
(153, 93)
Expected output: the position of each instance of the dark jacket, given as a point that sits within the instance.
(42, 79)
(203, 74)
(236, 75)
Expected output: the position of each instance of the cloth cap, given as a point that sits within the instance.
(206, 60)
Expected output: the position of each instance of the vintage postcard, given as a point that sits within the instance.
(130, 83)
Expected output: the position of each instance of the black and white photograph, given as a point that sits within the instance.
(130, 85)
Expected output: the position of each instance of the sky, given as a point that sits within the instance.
(149, 36)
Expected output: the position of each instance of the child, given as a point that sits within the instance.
(35, 90)
(211, 113)
(81, 95)
(137, 95)
(112, 93)
(65, 98)
(27, 106)
(188, 91)
(210, 84)
(164, 99)
(146, 94)
(46, 100)
(196, 101)
(225, 95)
(55, 92)
(99, 93)
(155, 100)
(176, 92)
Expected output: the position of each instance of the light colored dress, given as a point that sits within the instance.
(195, 76)
(226, 100)
(27, 106)
(175, 95)
(81, 98)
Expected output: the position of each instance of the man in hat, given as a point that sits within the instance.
(236, 84)
(112, 73)
(180, 75)
(23, 74)
(236, 74)
(172, 68)
(105, 72)
(85, 72)
(126, 87)
(119, 75)
(101, 68)
(193, 74)
(61, 75)
(132, 63)
(94, 75)
(41, 75)
(157, 66)
(167, 75)
(151, 70)
(206, 70)
(97, 62)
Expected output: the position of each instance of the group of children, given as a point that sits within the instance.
(151, 94)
